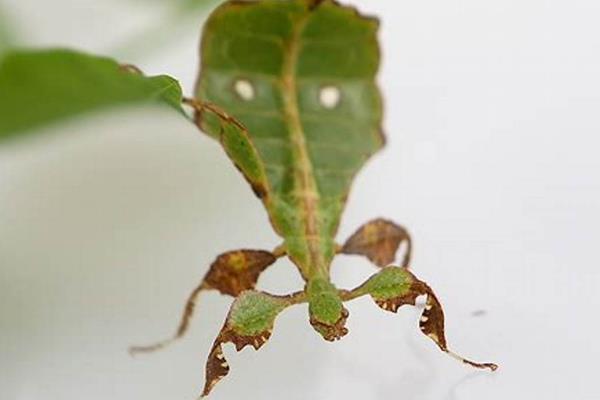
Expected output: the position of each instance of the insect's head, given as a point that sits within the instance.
(327, 313)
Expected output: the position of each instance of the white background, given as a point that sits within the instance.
(492, 162)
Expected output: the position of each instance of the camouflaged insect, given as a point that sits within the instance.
(303, 113)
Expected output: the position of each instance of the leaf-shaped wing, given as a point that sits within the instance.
(43, 86)
(299, 75)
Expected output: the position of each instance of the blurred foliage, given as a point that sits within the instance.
(180, 16)
(43, 86)
(5, 33)
(186, 5)
(46, 86)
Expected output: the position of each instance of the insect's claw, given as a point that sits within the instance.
(490, 366)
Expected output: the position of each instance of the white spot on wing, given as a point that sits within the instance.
(329, 97)
(244, 89)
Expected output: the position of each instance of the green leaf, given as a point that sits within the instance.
(300, 76)
(43, 86)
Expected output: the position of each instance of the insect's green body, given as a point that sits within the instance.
(288, 88)
(288, 52)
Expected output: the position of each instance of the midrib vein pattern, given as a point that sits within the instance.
(305, 192)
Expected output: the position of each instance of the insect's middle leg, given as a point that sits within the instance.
(231, 273)
(379, 240)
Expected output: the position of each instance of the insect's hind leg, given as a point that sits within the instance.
(379, 240)
(231, 273)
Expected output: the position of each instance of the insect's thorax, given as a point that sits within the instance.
(308, 229)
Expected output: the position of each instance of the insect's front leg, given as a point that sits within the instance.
(231, 273)
(249, 323)
(379, 240)
(394, 287)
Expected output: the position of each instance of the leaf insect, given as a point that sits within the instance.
(303, 114)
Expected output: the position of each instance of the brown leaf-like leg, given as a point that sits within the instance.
(216, 365)
(393, 287)
(431, 324)
(231, 273)
(249, 323)
(378, 240)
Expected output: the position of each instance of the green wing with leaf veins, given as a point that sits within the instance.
(288, 88)
(271, 65)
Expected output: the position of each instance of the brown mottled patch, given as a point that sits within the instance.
(216, 365)
(216, 368)
(235, 271)
(379, 240)
(393, 304)
(333, 332)
(431, 322)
